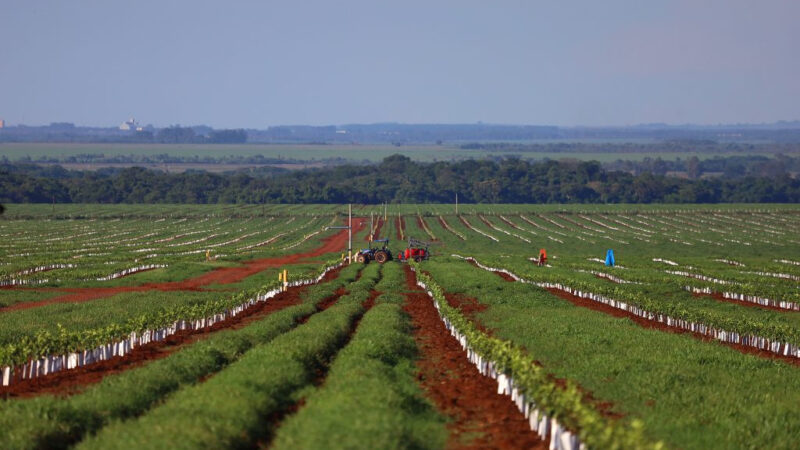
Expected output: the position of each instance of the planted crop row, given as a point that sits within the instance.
(46, 353)
(233, 408)
(772, 337)
(54, 422)
(106, 260)
(555, 412)
(791, 306)
(370, 398)
(631, 372)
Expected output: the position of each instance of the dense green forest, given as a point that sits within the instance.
(396, 179)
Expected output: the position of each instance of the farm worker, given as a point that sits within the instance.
(542, 257)
(208, 255)
(610, 258)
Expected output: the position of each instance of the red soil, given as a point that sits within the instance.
(446, 227)
(464, 221)
(502, 275)
(509, 223)
(422, 226)
(69, 382)
(378, 226)
(486, 221)
(481, 418)
(470, 307)
(644, 323)
(718, 297)
(223, 275)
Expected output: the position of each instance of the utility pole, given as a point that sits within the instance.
(371, 225)
(385, 208)
(349, 232)
(456, 203)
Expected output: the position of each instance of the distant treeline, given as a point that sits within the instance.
(396, 179)
(401, 134)
(67, 132)
(729, 167)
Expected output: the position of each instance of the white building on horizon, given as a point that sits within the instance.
(130, 125)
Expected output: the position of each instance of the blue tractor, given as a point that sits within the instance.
(381, 255)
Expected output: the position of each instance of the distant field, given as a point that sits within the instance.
(371, 153)
(107, 211)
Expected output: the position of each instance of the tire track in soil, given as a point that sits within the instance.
(651, 324)
(275, 419)
(481, 418)
(222, 275)
(73, 381)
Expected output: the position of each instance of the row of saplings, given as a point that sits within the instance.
(416, 250)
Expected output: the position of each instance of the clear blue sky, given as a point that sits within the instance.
(261, 63)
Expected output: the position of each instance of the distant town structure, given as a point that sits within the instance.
(130, 125)
(2, 123)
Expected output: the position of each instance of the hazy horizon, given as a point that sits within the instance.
(255, 65)
(794, 123)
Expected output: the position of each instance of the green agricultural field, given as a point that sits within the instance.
(303, 152)
(167, 326)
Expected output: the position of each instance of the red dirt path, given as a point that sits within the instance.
(481, 418)
(223, 275)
